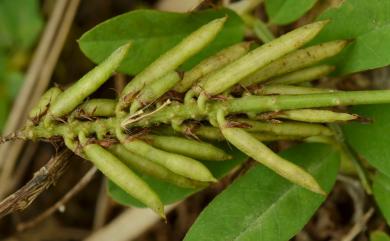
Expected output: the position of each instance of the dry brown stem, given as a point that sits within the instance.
(42, 180)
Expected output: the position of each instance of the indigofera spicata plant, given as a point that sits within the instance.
(140, 99)
(172, 125)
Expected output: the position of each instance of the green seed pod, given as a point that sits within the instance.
(96, 108)
(202, 101)
(304, 75)
(258, 58)
(272, 137)
(209, 133)
(289, 90)
(71, 144)
(191, 148)
(314, 116)
(43, 104)
(68, 100)
(155, 90)
(171, 59)
(287, 128)
(296, 60)
(178, 164)
(150, 168)
(248, 144)
(321, 139)
(122, 176)
(202, 132)
(211, 64)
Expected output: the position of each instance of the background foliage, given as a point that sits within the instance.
(20, 25)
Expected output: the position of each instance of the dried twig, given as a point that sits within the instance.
(356, 192)
(37, 78)
(42, 180)
(178, 6)
(49, 230)
(359, 226)
(72, 192)
(360, 219)
(138, 219)
(119, 82)
(103, 205)
(23, 165)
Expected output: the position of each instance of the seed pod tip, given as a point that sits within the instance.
(317, 26)
(321, 192)
(213, 179)
(224, 18)
(218, 21)
(125, 47)
(162, 215)
(323, 22)
(363, 119)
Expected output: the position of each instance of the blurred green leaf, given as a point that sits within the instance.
(170, 193)
(367, 23)
(20, 23)
(153, 33)
(287, 11)
(381, 191)
(13, 82)
(3, 65)
(379, 236)
(371, 141)
(262, 206)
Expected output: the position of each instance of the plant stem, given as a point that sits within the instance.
(349, 155)
(262, 32)
(288, 102)
(101, 127)
(256, 104)
(289, 90)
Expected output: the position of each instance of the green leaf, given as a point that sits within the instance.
(20, 23)
(287, 11)
(371, 141)
(170, 193)
(367, 23)
(381, 191)
(3, 65)
(379, 236)
(263, 206)
(155, 32)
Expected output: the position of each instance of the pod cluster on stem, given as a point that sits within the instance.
(240, 95)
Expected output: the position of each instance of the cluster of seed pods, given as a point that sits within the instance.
(162, 123)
